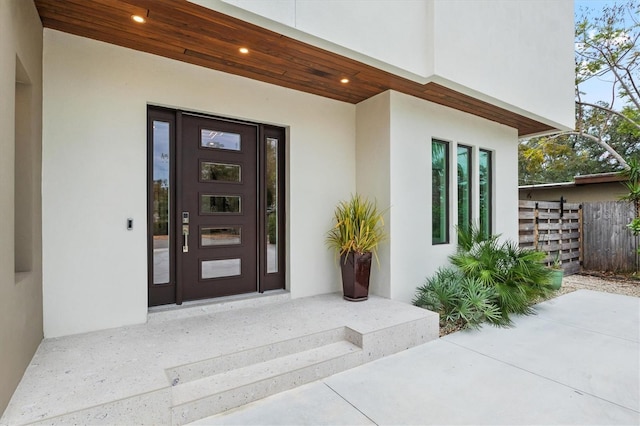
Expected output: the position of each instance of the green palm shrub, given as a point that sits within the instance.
(518, 276)
(489, 281)
(462, 301)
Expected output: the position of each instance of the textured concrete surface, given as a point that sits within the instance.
(576, 362)
(125, 375)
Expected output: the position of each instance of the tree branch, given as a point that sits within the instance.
(599, 141)
(600, 107)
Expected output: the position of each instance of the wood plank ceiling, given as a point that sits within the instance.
(184, 31)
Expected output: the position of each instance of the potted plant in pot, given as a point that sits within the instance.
(555, 280)
(359, 228)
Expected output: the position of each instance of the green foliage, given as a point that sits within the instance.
(471, 237)
(632, 174)
(633, 196)
(359, 227)
(272, 227)
(606, 48)
(517, 275)
(491, 281)
(459, 300)
(634, 226)
(560, 158)
(607, 42)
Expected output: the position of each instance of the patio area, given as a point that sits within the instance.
(200, 359)
(576, 362)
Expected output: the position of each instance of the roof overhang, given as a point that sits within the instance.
(599, 178)
(188, 32)
(579, 180)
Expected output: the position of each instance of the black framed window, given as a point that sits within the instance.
(464, 186)
(439, 191)
(486, 192)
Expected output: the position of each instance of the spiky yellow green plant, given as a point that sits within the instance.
(359, 227)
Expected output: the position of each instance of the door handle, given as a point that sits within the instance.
(185, 238)
(185, 232)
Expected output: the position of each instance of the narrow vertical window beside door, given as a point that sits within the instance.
(486, 196)
(464, 187)
(161, 202)
(272, 204)
(440, 192)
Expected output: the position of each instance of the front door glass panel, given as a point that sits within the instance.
(220, 268)
(219, 140)
(220, 204)
(219, 172)
(220, 236)
(161, 202)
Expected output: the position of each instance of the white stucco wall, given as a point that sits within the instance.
(519, 53)
(20, 236)
(379, 32)
(372, 176)
(397, 170)
(94, 166)
(515, 54)
(414, 123)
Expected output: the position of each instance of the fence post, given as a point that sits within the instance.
(580, 236)
(560, 222)
(535, 227)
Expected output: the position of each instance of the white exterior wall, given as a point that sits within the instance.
(20, 137)
(397, 171)
(414, 123)
(94, 166)
(514, 54)
(372, 176)
(519, 53)
(392, 34)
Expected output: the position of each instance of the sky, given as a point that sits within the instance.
(596, 89)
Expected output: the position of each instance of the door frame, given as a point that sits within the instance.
(162, 294)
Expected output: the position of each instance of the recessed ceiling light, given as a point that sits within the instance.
(139, 19)
(243, 50)
(344, 81)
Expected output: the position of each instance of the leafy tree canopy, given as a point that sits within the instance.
(607, 133)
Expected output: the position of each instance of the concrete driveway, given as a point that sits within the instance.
(576, 362)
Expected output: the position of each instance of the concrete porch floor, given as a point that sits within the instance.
(577, 362)
(192, 362)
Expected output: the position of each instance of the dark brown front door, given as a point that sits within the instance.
(217, 215)
(216, 210)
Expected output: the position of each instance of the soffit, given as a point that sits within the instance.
(187, 32)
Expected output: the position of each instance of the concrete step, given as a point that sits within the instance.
(135, 375)
(203, 397)
(209, 367)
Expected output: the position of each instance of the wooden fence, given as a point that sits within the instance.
(554, 227)
(608, 244)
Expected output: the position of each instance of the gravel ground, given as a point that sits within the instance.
(628, 287)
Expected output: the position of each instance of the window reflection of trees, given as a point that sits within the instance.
(485, 192)
(464, 187)
(272, 189)
(220, 172)
(439, 176)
